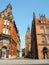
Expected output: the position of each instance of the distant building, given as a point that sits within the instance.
(23, 52)
(40, 37)
(28, 42)
(9, 36)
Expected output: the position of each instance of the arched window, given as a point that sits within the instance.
(41, 29)
(43, 39)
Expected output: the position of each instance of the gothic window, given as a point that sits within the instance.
(43, 39)
(41, 30)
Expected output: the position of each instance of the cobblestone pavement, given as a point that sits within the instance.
(23, 61)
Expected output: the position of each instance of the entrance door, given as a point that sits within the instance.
(4, 52)
(45, 53)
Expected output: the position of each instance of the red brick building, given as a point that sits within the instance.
(9, 36)
(40, 37)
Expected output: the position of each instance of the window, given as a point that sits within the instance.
(5, 31)
(41, 30)
(5, 22)
(47, 30)
(8, 22)
(48, 39)
(43, 39)
(5, 41)
(43, 21)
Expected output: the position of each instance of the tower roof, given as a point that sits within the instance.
(9, 5)
(28, 28)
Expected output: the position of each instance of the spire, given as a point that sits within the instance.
(28, 28)
(33, 15)
(9, 6)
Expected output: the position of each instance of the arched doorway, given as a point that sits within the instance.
(4, 51)
(45, 53)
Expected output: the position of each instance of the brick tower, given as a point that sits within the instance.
(28, 42)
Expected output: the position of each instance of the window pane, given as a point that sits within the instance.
(5, 41)
(5, 22)
(8, 22)
(3, 30)
(47, 30)
(41, 30)
(43, 39)
(7, 31)
(43, 22)
(48, 39)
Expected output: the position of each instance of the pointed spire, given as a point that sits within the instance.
(33, 15)
(9, 5)
(28, 28)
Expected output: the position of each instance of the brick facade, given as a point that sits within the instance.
(9, 37)
(40, 37)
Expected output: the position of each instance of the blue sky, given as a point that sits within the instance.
(23, 13)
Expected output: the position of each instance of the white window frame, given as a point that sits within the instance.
(41, 30)
(43, 39)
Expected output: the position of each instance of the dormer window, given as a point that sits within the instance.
(43, 21)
